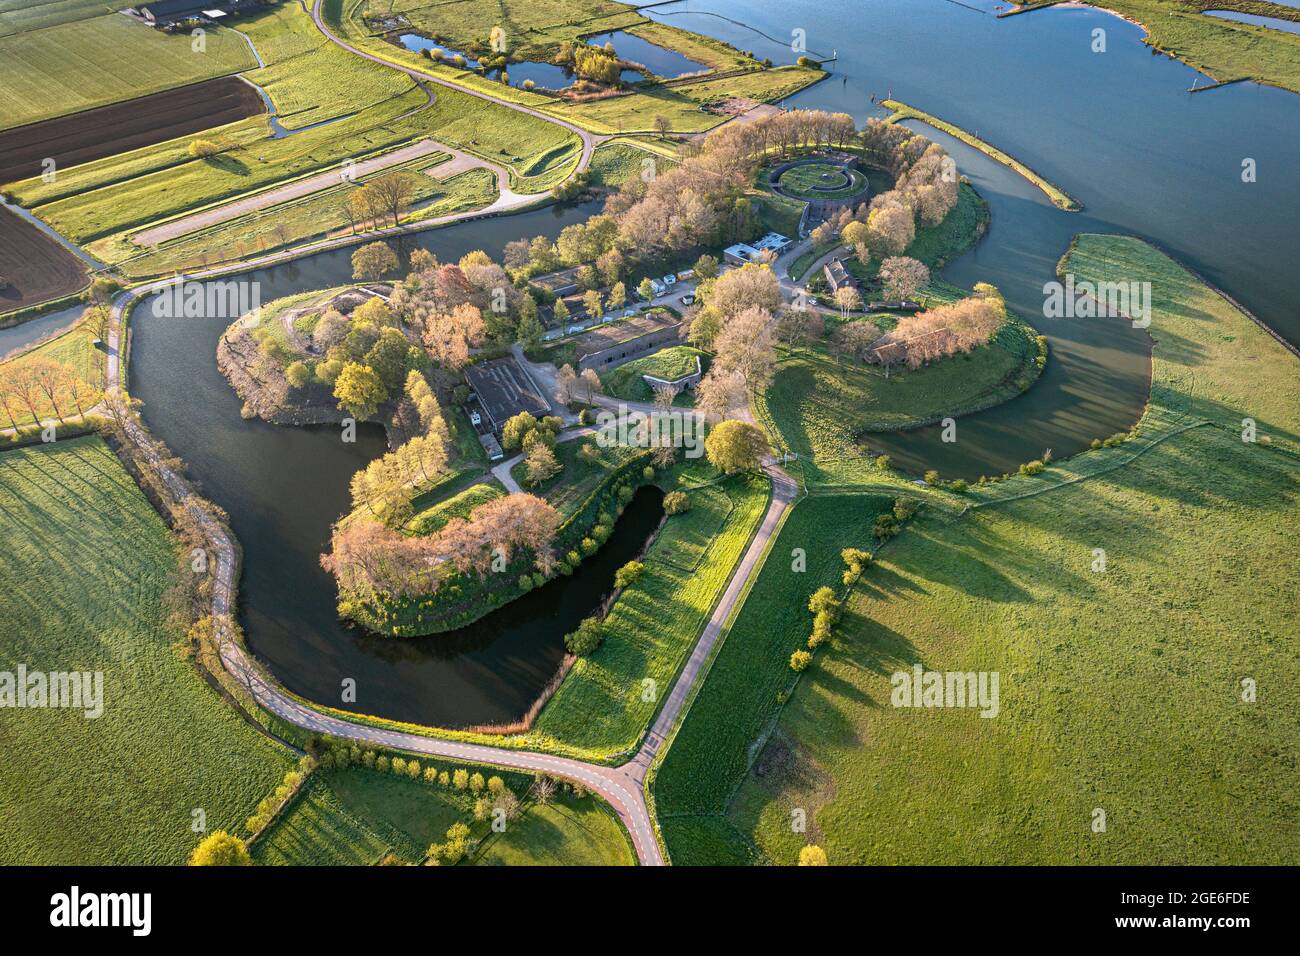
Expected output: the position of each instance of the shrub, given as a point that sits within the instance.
(628, 574)
(586, 639)
(430, 774)
(675, 502)
(886, 527)
(476, 782)
(221, 849)
(882, 462)
(1034, 467)
(381, 764)
(958, 485)
(203, 148)
(812, 855)
(398, 766)
(823, 600)
(904, 508)
(647, 472)
(800, 660)
(461, 779)
(931, 477)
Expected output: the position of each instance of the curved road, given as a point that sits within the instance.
(589, 140)
(623, 787)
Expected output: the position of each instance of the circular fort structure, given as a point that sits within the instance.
(827, 182)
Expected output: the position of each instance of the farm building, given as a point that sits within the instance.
(167, 12)
(837, 276)
(743, 252)
(503, 389)
(606, 345)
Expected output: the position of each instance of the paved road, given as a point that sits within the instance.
(589, 140)
(289, 191)
(623, 787)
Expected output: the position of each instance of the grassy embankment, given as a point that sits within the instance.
(820, 402)
(608, 699)
(670, 364)
(1221, 49)
(1120, 689)
(84, 566)
(81, 64)
(1058, 196)
(356, 817)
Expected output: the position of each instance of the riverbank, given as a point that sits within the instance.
(1132, 691)
(1059, 197)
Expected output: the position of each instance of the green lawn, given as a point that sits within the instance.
(569, 833)
(712, 750)
(84, 564)
(604, 706)
(86, 63)
(819, 403)
(1120, 689)
(672, 363)
(354, 817)
(568, 489)
(459, 505)
(615, 163)
(821, 181)
(1222, 49)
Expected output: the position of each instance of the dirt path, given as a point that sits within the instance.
(281, 194)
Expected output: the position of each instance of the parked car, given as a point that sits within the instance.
(628, 313)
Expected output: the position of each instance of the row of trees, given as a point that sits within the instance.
(36, 386)
(946, 330)
(369, 559)
(386, 197)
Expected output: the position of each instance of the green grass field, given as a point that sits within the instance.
(459, 505)
(672, 363)
(81, 64)
(354, 817)
(740, 696)
(604, 706)
(19, 16)
(84, 564)
(615, 163)
(98, 203)
(821, 181)
(569, 833)
(819, 403)
(1221, 49)
(1120, 689)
